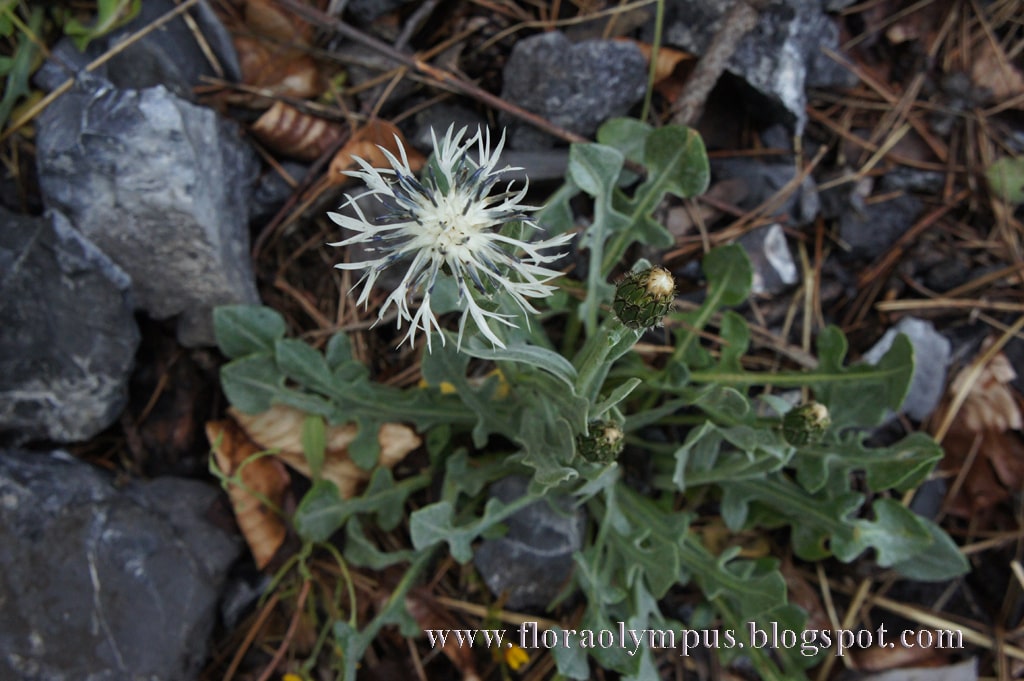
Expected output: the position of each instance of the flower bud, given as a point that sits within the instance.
(643, 298)
(603, 443)
(806, 424)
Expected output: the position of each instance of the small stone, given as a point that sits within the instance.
(774, 267)
(932, 353)
(533, 561)
(163, 187)
(67, 333)
(102, 581)
(872, 228)
(577, 87)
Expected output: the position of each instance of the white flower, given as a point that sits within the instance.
(448, 224)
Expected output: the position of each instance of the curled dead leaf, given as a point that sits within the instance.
(281, 71)
(266, 18)
(993, 70)
(289, 131)
(984, 428)
(262, 478)
(667, 80)
(280, 428)
(366, 143)
(990, 403)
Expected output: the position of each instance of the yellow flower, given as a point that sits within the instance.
(516, 657)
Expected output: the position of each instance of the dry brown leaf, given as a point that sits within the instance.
(429, 614)
(280, 71)
(366, 143)
(883, 658)
(985, 423)
(667, 81)
(991, 69)
(668, 59)
(265, 18)
(263, 529)
(280, 428)
(990, 403)
(289, 131)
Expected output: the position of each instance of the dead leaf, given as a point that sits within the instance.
(280, 428)
(667, 81)
(430, 614)
(265, 18)
(366, 143)
(985, 424)
(992, 69)
(264, 530)
(289, 131)
(279, 70)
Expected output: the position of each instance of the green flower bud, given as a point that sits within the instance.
(643, 298)
(603, 442)
(806, 424)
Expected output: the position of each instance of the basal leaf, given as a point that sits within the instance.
(247, 329)
(531, 355)
(897, 534)
(901, 466)
(941, 561)
(595, 169)
(730, 275)
(436, 523)
(359, 550)
(252, 383)
(321, 512)
(314, 444)
(304, 365)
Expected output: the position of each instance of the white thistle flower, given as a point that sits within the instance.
(448, 223)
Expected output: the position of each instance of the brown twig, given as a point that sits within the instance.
(739, 20)
(439, 77)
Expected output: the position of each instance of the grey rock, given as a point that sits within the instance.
(532, 562)
(365, 11)
(759, 181)
(101, 583)
(870, 229)
(932, 353)
(67, 333)
(779, 58)
(575, 86)
(163, 187)
(170, 56)
(774, 268)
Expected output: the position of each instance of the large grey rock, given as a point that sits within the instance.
(100, 583)
(163, 187)
(170, 56)
(575, 86)
(532, 562)
(67, 333)
(932, 353)
(779, 58)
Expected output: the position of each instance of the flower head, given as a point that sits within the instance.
(448, 224)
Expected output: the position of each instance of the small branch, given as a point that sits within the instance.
(739, 20)
(439, 77)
